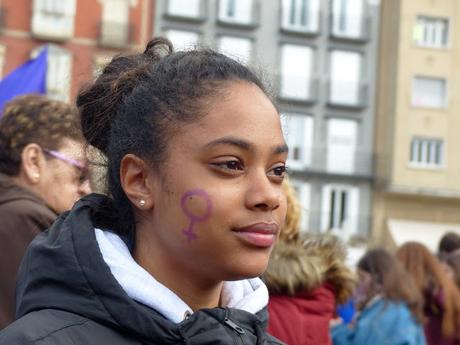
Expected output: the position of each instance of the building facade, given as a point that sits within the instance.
(321, 59)
(81, 36)
(417, 192)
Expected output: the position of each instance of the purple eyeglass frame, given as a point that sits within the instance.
(74, 162)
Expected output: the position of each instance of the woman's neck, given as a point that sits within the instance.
(196, 291)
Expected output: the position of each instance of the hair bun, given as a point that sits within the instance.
(158, 48)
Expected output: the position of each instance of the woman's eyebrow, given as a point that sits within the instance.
(244, 144)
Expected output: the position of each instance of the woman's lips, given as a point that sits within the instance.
(260, 235)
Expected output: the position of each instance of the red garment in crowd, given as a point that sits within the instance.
(302, 319)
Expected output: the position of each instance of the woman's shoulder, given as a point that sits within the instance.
(55, 327)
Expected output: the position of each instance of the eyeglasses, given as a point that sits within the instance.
(81, 166)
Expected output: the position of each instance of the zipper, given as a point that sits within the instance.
(239, 331)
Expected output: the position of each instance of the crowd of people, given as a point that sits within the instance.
(197, 239)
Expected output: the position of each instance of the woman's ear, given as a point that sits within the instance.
(135, 176)
(32, 163)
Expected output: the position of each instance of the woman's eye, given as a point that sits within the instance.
(279, 171)
(230, 165)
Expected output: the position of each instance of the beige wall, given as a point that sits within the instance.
(403, 191)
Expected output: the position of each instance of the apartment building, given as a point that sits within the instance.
(417, 194)
(81, 36)
(321, 58)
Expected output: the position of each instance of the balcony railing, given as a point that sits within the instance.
(201, 17)
(310, 95)
(297, 29)
(115, 34)
(359, 163)
(345, 94)
(356, 28)
(253, 22)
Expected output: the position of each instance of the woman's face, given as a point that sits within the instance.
(221, 205)
(61, 183)
(364, 291)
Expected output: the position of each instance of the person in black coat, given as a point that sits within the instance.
(196, 160)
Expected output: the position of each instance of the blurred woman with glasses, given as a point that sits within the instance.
(42, 174)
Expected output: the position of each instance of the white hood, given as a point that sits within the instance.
(250, 295)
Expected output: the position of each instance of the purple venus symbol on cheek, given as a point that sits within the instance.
(194, 218)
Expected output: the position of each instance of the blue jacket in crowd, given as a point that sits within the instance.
(383, 322)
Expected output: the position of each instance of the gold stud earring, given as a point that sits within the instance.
(142, 203)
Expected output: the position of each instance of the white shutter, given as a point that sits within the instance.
(296, 66)
(345, 77)
(342, 140)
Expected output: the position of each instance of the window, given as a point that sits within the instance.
(347, 18)
(183, 40)
(236, 47)
(303, 192)
(100, 61)
(53, 19)
(236, 11)
(431, 32)
(341, 145)
(427, 152)
(298, 131)
(300, 15)
(296, 67)
(429, 92)
(340, 209)
(59, 72)
(345, 78)
(115, 23)
(184, 8)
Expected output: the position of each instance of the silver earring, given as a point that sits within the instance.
(142, 203)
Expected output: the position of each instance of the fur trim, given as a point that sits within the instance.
(307, 263)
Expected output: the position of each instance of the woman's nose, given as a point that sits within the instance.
(263, 194)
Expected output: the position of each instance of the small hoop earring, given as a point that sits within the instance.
(142, 203)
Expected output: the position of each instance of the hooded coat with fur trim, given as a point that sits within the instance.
(306, 279)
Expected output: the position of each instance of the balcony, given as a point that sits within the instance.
(346, 94)
(199, 17)
(306, 93)
(357, 163)
(353, 28)
(308, 30)
(234, 22)
(115, 34)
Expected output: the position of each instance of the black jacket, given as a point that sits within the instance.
(66, 294)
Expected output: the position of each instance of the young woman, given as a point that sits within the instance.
(196, 160)
(390, 307)
(441, 297)
(42, 174)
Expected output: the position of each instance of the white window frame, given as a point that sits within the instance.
(342, 16)
(341, 219)
(184, 42)
(244, 7)
(304, 124)
(428, 31)
(303, 193)
(342, 158)
(231, 46)
(295, 79)
(427, 153)
(294, 12)
(2, 59)
(58, 73)
(419, 103)
(345, 79)
(53, 19)
(181, 8)
(115, 27)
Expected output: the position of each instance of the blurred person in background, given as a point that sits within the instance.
(306, 278)
(389, 305)
(42, 173)
(449, 243)
(441, 296)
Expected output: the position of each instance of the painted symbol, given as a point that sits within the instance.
(192, 216)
